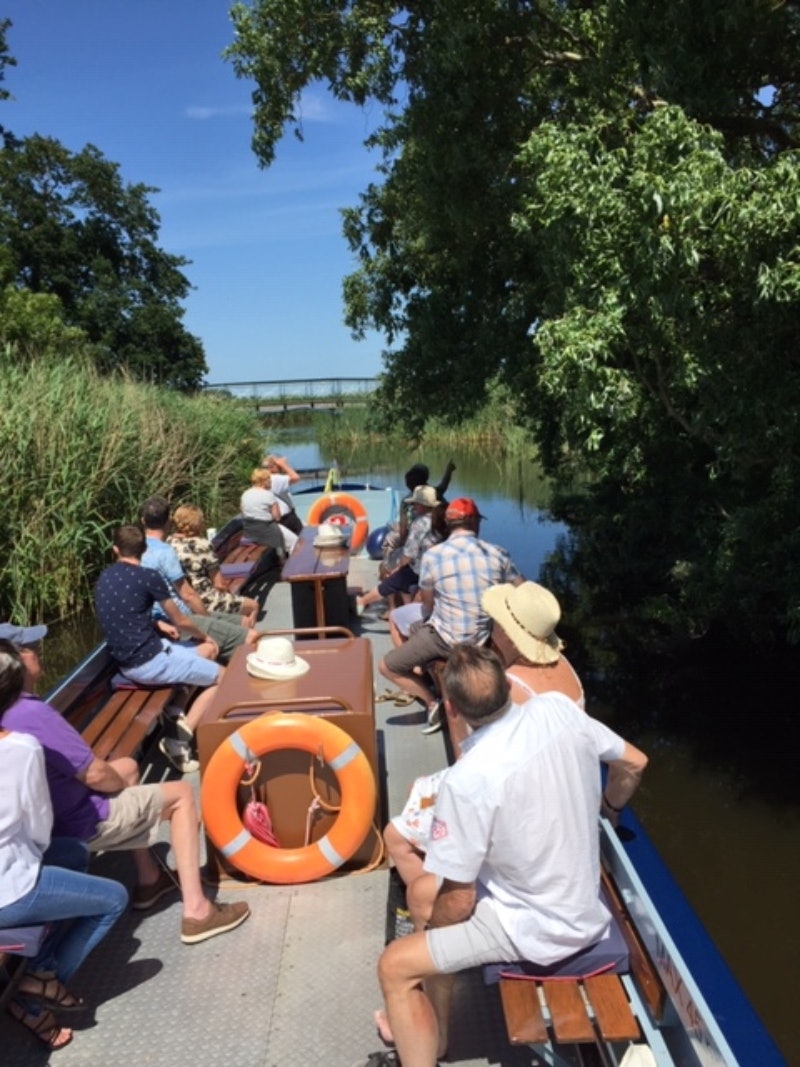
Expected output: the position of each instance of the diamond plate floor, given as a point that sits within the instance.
(296, 984)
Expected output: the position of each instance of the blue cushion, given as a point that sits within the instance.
(22, 940)
(609, 956)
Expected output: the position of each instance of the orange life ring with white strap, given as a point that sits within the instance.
(272, 733)
(341, 508)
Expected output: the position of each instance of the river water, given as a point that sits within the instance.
(736, 855)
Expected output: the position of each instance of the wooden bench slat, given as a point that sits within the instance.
(611, 1007)
(523, 1012)
(125, 720)
(568, 1011)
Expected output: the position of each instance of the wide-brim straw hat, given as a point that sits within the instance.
(329, 536)
(529, 614)
(274, 659)
(424, 495)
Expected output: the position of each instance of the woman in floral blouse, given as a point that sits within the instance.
(201, 564)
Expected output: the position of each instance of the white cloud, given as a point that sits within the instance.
(315, 107)
(202, 113)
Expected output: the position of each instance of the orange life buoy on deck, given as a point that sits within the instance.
(271, 733)
(330, 506)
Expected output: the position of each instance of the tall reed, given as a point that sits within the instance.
(497, 424)
(80, 452)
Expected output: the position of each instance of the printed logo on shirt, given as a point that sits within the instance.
(438, 829)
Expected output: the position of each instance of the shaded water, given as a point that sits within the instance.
(736, 856)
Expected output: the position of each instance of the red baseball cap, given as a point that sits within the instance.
(463, 508)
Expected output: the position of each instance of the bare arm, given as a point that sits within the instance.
(624, 776)
(102, 777)
(191, 599)
(181, 621)
(275, 512)
(443, 485)
(426, 596)
(283, 465)
(454, 903)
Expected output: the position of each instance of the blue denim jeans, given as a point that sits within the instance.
(88, 905)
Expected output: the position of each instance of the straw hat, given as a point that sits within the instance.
(424, 495)
(329, 536)
(529, 614)
(274, 658)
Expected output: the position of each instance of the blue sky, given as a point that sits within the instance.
(144, 81)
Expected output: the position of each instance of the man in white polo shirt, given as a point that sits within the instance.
(514, 845)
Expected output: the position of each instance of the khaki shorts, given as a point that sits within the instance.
(133, 819)
(423, 645)
(481, 939)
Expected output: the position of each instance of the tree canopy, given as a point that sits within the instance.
(596, 203)
(80, 252)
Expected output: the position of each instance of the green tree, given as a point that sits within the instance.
(6, 59)
(597, 205)
(75, 230)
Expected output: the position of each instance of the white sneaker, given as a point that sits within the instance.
(179, 755)
(435, 721)
(177, 718)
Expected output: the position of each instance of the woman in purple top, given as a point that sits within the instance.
(44, 880)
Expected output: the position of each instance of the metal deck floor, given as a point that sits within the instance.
(296, 984)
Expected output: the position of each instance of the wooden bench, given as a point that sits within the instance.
(591, 1010)
(114, 722)
(238, 563)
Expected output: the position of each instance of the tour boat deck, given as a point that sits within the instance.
(296, 984)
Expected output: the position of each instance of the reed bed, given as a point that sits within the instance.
(80, 452)
(497, 425)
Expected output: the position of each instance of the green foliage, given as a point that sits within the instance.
(6, 59)
(73, 230)
(80, 452)
(666, 353)
(596, 205)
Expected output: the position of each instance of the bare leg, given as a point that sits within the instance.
(202, 702)
(370, 597)
(409, 683)
(407, 859)
(249, 612)
(412, 1020)
(181, 813)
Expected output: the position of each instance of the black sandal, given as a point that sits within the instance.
(63, 1000)
(44, 1026)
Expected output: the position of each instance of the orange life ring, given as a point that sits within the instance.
(339, 508)
(271, 733)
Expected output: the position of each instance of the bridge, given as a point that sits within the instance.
(300, 394)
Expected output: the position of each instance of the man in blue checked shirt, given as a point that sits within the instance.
(453, 577)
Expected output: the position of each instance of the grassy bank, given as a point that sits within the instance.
(79, 453)
(496, 425)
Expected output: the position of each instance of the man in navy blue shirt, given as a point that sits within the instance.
(148, 652)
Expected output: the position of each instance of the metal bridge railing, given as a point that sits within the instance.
(309, 388)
